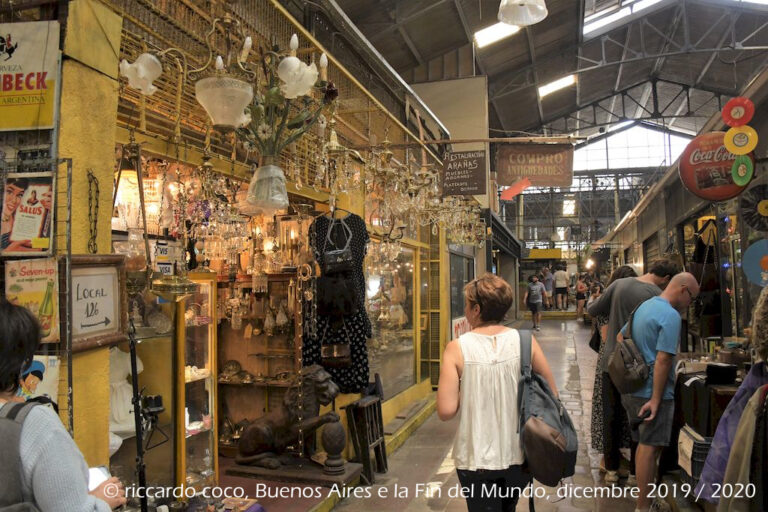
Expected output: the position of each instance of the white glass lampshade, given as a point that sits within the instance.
(522, 12)
(225, 99)
(142, 73)
(267, 193)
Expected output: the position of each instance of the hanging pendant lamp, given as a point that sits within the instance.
(522, 12)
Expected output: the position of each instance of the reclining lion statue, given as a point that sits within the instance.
(264, 440)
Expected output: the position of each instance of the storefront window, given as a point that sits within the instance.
(462, 272)
(390, 304)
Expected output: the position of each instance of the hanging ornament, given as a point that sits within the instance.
(705, 168)
(741, 140)
(738, 111)
(753, 207)
(743, 170)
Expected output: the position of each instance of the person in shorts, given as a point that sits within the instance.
(656, 331)
(561, 289)
(534, 298)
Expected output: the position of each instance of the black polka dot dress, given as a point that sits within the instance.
(354, 378)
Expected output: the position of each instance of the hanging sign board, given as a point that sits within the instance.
(29, 69)
(545, 165)
(464, 173)
(706, 168)
(98, 299)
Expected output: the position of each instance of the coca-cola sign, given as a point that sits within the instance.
(705, 168)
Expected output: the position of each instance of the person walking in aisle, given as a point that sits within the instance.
(549, 286)
(50, 473)
(655, 329)
(581, 296)
(561, 289)
(601, 323)
(486, 361)
(534, 297)
(618, 301)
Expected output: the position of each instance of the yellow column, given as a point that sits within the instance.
(88, 116)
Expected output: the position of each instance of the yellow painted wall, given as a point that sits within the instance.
(87, 135)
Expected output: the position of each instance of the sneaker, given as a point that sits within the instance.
(631, 480)
(660, 506)
(611, 477)
(537, 328)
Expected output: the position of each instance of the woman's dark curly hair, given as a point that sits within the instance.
(19, 338)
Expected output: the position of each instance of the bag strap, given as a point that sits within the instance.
(629, 321)
(526, 343)
(15, 411)
(347, 232)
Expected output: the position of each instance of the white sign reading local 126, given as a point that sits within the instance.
(95, 301)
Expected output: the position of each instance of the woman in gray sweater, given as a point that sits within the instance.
(42, 465)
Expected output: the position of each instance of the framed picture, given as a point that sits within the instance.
(424, 322)
(34, 284)
(99, 301)
(29, 204)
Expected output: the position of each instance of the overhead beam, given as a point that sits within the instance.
(380, 33)
(532, 55)
(409, 43)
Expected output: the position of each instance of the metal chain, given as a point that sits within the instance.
(93, 211)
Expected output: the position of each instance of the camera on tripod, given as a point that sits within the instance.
(151, 407)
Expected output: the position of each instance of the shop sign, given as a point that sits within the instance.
(545, 165)
(29, 65)
(98, 299)
(464, 173)
(459, 326)
(706, 168)
(34, 284)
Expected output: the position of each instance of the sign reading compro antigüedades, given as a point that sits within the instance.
(545, 165)
(29, 64)
(464, 173)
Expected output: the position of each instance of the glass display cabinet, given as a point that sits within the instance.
(197, 450)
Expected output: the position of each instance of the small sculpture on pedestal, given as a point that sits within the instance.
(334, 440)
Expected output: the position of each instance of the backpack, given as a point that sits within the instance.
(626, 366)
(547, 435)
(12, 415)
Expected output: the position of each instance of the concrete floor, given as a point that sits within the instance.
(421, 473)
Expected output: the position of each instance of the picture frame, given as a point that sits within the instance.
(424, 322)
(27, 226)
(99, 301)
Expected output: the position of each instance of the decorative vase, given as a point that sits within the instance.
(267, 192)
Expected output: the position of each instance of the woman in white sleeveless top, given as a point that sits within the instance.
(479, 376)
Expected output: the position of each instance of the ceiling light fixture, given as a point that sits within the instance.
(561, 83)
(522, 12)
(497, 32)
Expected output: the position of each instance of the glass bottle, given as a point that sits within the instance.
(45, 313)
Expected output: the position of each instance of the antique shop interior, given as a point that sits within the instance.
(246, 226)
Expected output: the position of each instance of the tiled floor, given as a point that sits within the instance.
(421, 474)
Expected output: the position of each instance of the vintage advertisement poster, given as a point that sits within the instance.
(29, 68)
(545, 165)
(40, 380)
(34, 284)
(27, 214)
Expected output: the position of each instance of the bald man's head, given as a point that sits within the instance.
(682, 290)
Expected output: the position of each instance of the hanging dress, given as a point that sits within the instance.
(355, 327)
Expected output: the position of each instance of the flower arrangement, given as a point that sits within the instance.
(293, 100)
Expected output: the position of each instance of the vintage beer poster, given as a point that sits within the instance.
(34, 284)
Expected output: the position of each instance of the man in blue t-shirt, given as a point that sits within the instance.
(655, 330)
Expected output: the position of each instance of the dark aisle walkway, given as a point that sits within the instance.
(424, 466)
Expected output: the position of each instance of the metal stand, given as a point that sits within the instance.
(141, 469)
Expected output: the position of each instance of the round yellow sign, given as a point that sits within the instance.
(741, 140)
